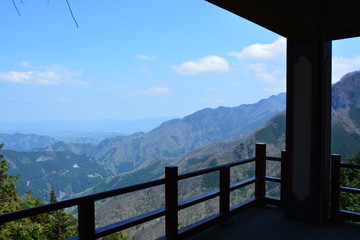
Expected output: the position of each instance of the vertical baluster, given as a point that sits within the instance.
(86, 216)
(335, 184)
(225, 192)
(260, 171)
(171, 202)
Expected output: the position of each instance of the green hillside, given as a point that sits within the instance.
(65, 172)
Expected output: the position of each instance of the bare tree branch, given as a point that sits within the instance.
(48, 1)
(16, 7)
(72, 15)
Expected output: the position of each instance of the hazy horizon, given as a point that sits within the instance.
(125, 62)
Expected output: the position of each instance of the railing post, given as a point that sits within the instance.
(283, 177)
(260, 171)
(335, 184)
(225, 192)
(171, 202)
(86, 218)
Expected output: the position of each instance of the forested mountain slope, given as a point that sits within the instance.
(178, 136)
(67, 173)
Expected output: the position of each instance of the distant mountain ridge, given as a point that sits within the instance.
(345, 139)
(86, 129)
(24, 142)
(178, 136)
(125, 153)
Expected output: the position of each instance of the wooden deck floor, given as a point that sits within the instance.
(267, 223)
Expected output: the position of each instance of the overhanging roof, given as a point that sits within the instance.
(300, 18)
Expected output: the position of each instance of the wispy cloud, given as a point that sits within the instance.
(42, 75)
(159, 90)
(205, 64)
(266, 73)
(267, 77)
(145, 57)
(25, 64)
(152, 91)
(264, 63)
(212, 89)
(236, 84)
(220, 101)
(49, 100)
(262, 51)
(342, 66)
(275, 90)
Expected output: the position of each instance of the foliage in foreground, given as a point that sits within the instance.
(54, 225)
(351, 178)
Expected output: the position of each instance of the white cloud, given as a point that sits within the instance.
(61, 99)
(43, 75)
(152, 91)
(263, 51)
(220, 100)
(212, 89)
(266, 73)
(257, 67)
(342, 66)
(25, 64)
(159, 90)
(236, 84)
(275, 90)
(267, 77)
(145, 57)
(16, 77)
(205, 64)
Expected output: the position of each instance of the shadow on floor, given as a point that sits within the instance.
(267, 223)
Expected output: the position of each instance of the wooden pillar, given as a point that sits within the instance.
(308, 129)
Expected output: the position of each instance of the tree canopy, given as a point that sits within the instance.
(351, 178)
(54, 225)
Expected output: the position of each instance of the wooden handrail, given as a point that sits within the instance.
(350, 166)
(86, 204)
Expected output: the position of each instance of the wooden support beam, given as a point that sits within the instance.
(308, 135)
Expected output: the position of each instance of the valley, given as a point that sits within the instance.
(206, 138)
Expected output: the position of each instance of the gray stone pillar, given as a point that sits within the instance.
(308, 129)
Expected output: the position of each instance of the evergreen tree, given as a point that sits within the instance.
(25, 228)
(351, 178)
(9, 200)
(52, 196)
(117, 236)
(61, 224)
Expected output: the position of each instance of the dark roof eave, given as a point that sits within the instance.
(279, 17)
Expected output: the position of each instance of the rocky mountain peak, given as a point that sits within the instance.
(345, 93)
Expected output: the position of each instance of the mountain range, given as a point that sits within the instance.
(82, 131)
(207, 136)
(345, 140)
(178, 136)
(127, 153)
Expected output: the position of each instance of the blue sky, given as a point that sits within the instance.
(134, 59)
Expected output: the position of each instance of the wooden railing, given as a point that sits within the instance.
(86, 204)
(336, 188)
